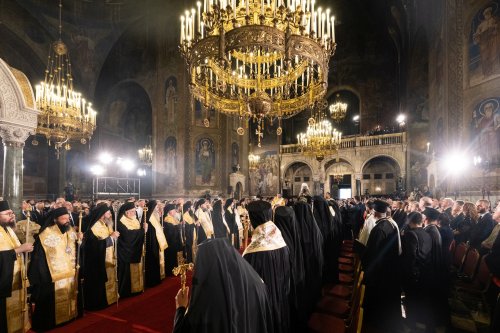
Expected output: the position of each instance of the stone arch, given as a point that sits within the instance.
(289, 164)
(338, 166)
(295, 174)
(381, 175)
(395, 159)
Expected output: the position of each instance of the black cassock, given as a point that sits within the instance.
(274, 268)
(234, 236)
(438, 274)
(153, 275)
(220, 229)
(285, 220)
(227, 295)
(7, 260)
(176, 243)
(312, 252)
(94, 270)
(380, 263)
(324, 219)
(130, 246)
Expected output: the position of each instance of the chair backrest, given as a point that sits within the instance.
(471, 262)
(459, 256)
(452, 248)
(483, 276)
(356, 323)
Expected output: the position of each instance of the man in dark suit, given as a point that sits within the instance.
(446, 206)
(398, 215)
(356, 216)
(482, 229)
(73, 217)
(25, 208)
(457, 213)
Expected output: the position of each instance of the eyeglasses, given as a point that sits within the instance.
(11, 213)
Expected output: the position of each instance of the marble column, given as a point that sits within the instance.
(13, 142)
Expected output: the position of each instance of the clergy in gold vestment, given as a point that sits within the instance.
(172, 229)
(52, 273)
(99, 260)
(156, 244)
(130, 249)
(13, 315)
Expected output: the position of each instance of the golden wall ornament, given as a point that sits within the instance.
(257, 59)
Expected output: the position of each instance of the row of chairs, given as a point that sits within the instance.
(341, 307)
(474, 277)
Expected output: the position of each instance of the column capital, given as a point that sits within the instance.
(14, 135)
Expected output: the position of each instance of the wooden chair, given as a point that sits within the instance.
(337, 306)
(324, 323)
(470, 264)
(459, 255)
(480, 285)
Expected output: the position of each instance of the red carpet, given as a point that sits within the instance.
(150, 312)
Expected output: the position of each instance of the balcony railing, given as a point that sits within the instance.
(357, 141)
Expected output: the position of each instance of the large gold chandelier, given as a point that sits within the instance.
(257, 58)
(65, 115)
(338, 110)
(320, 138)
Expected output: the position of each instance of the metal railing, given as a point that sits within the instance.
(357, 141)
(116, 187)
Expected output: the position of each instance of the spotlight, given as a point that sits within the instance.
(401, 119)
(97, 169)
(456, 163)
(127, 165)
(105, 158)
(355, 118)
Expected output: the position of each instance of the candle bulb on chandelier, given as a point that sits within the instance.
(333, 29)
(198, 4)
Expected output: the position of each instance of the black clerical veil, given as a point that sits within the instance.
(220, 229)
(326, 224)
(227, 294)
(312, 252)
(285, 220)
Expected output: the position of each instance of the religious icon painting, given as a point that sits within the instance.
(170, 98)
(484, 44)
(264, 179)
(205, 162)
(486, 129)
(171, 157)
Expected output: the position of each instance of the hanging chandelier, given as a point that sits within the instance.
(338, 110)
(146, 155)
(64, 115)
(320, 139)
(257, 59)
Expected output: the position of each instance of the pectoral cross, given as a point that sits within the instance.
(181, 269)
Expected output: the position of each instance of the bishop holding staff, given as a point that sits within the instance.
(12, 299)
(52, 272)
(156, 244)
(99, 268)
(130, 273)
